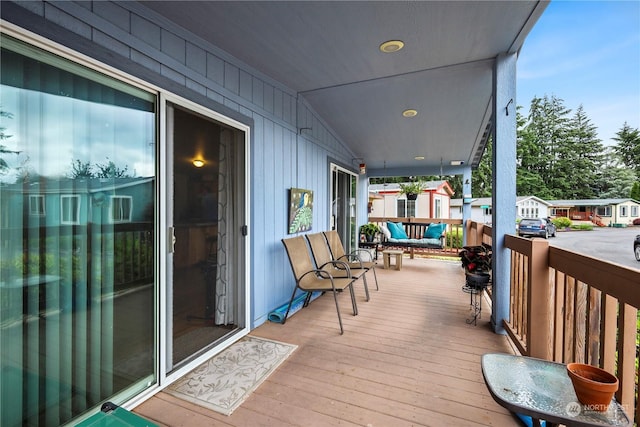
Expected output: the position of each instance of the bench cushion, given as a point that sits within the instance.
(415, 242)
(434, 231)
(397, 230)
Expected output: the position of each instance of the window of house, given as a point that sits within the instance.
(603, 210)
(69, 209)
(405, 208)
(623, 210)
(634, 211)
(36, 205)
(121, 207)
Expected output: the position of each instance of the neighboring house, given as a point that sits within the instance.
(481, 209)
(603, 212)
(66, 201)
(433, 202)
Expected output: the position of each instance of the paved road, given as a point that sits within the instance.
(609, 244)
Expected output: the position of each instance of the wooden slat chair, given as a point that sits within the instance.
(324, 260)
(354, 259)
(310, 279)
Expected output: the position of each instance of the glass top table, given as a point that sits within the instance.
(542, 390)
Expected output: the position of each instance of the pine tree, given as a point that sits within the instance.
(580, 158)
(628, 147)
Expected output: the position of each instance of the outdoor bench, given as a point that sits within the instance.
(413, 235)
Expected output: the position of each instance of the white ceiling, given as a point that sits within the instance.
(328, 52)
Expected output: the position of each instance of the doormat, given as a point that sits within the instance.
(223, 382)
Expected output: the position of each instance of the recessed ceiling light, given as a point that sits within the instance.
(391, 46)
(409, 113)
(419, 157)
(198, 163)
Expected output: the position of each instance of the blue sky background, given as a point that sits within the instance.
(586, 52)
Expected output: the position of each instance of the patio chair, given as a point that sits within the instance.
(353, 259)
(310, 279)
(324, 260)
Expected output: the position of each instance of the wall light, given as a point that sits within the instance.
(457, 162)
(198, 163)
(363, 168)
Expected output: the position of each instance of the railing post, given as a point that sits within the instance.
(539, 297)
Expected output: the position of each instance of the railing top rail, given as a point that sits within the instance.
(616, 280)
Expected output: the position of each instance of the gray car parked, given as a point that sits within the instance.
(536, 227)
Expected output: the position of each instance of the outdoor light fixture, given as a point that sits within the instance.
(198, 163)
(419, 157)
(363, 168)
(410, 113)
(457, 162)
(391, 46)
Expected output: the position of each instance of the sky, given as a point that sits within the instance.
(586, 53)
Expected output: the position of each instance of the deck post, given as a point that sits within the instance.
(539, 299)
(503, 214)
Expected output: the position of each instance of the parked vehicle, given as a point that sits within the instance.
(636, 247)
(536, 227)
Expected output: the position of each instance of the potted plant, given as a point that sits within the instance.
(412, 189)
(369, 230)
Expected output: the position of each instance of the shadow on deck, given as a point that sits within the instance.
(408, 359)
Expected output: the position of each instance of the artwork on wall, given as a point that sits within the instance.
(300, 210)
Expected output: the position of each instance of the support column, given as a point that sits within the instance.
(504, 182)
(466, 202)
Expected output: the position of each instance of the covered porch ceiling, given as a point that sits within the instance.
(328, 53)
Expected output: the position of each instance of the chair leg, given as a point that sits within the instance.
(335, 298)
(353, 300)
(376, 277)
(293, 295)
(366, 286)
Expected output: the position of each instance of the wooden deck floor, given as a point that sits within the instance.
(408, 359)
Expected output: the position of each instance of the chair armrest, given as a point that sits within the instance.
(340, 265)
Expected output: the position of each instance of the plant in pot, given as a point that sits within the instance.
(412, 189)
(369, 230)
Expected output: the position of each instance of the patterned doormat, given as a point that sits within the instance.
(223, 382)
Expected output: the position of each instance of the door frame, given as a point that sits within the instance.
(165, 203)
(333, 166)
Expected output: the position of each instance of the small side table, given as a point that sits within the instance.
(386, 256)
(543, 390)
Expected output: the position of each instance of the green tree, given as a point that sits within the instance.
(614, 179)
(579, 158)
(481, 184)
(628, 147)
(635, 191)
(81, 169)
(110, 170)
(540, 147)
(4, 166)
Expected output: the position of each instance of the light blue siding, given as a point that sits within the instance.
(281, 156)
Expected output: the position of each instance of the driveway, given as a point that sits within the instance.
(609, 244)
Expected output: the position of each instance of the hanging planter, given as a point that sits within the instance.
(412, 189)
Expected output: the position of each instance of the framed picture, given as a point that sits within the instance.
(300, 210)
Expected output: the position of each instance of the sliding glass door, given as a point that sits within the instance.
(205, 296)
(343, 205)
(77, 232)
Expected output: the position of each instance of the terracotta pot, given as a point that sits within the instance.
(593, 386)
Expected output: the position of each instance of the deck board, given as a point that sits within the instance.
(408, 359)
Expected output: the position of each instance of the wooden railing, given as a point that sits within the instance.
(569, 307)
(453, 235)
